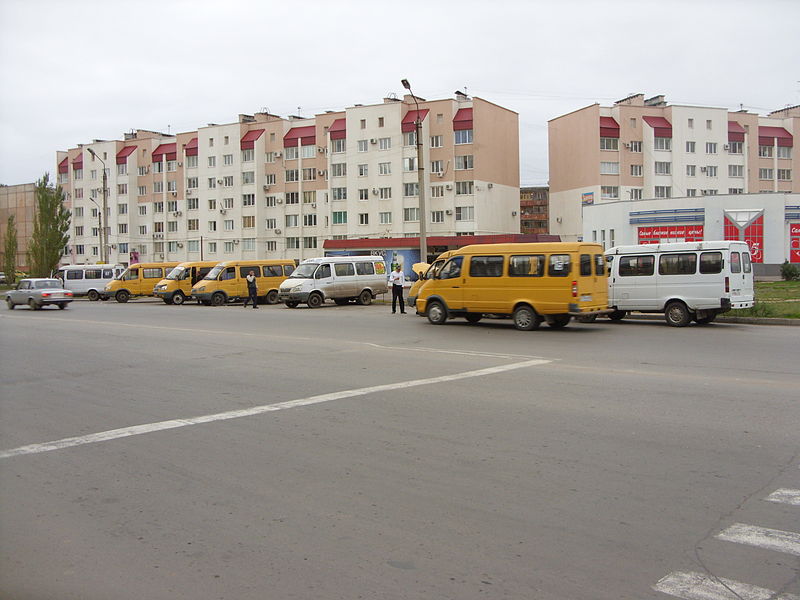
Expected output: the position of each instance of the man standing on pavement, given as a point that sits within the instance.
(397, 278)
(252, 289)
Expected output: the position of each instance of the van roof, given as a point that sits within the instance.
(198, 263)
(334, 259)
(148, 265)
(255, 263)
(675, 247)
(526, 247)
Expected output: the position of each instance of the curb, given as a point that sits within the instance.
(744, 320)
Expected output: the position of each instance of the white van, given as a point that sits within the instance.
(684, 280)
(88, 280)
(340, 278)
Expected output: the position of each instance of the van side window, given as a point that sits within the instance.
(93, 273)
(486, 266)
(152, 273)
(559, 265)
(74, 274)
(452, 268)
(132, 275)
(287, 270)
(365, 268)
(108, 273)
(245, 271)
(273, 271)
(531, 265)
(344, 269)
(677, 264)
(634, 266)
(736, 264)
(228, 273)
(323, 272)
(710, 262)
(599, 264)
(746, 262)
(586, 264)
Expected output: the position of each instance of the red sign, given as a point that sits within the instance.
(794, 242)
(794, 228)
(685, 233)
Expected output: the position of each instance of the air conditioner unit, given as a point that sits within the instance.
(179, 244)
(373, 141)
(113, 246)
(321, 172)
(440, 174)
(513, 213)
(174, 194)
(158, 236)
(448, 212)
(266, 188)
(161, 255)
(313, 205)
(278, 231)
(180, 164)
(278, 155)
(219, 181)
(279, 201)
(448, 187)
(702, 169)
(320, 149)
(222, 211)
(727, 147)
(375, 191)
(627, 144)
(235, 241)
(177, 213)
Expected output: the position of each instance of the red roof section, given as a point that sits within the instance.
(338, 129)
(735, 132)
(77, 162)
(300, 136)
(766, 135)
(191, 147)
(63, 166)
(661, 127)
(249, 139)
(170, 150)
(122, 155)
(609, 127)
(409, 122)
(463, 119)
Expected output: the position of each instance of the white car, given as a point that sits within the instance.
(37, 293)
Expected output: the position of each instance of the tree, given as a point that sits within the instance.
(50, 227)
(10, 250)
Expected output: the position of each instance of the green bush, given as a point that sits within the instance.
(790, 272)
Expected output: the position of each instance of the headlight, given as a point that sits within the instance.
(200, 289)
(297, 288)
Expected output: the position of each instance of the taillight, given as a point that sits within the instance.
(68, 293)
(727, 285)
(574, 289)
(45, 294)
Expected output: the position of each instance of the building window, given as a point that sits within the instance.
(735, 170)
(339, 170)
(662, 143)
(385, 218)
(291, 175)
(339, 217)
(172, 226)
(172, 186)
(690, 147)
(271, 201)
(410, 214)
(271, 223)
(609, 168)
(709, 192)
(384, 143)
(411, 189)
(309, 242)
(437, 216)
(609, 192)
(380, 121)
(410, 138)
(636, 170)
(228, 224)
(227, 203)
(437, 191)
(310, 220)
(339, 193)
(191, 162)
(784, 152)
(711, 147)
(691, 170)
(247, 177)
(122, 228)
(784, 174)
(464, 188)
(212, 183)
(765, 151)
(247, 156)
(212, 247)
(248, 199)
(607, 143)
(310, 174)
(636, 146)
(192, 204)
(636, 193)
(290, 153)
(465, 213)
(291, 220)
(690, 123)
(272, 246)
(733, 191)
(766, 174)
(228, 247)
(437, 166)
(122, 209)
(464, 162)
(463, 136)
(708, 124)
(193, 225)
(663, 168)
(363, 218)
(338, 146)
(362, 145)
(363, 193)
(409, 164)
(691, 192)
(158, 207)
(437, 141)
(663, 191)
(385, 193)
(212, 225)
(363, 170)
(212, 160)
(735, 148)
(310, 197)
(385, 168)
(292, 243)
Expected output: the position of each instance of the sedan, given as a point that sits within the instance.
(37, 293)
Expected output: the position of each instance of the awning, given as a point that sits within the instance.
(122, 155)
(735, 132)
(63, 166)
(609, 127)
(168, 150)
(191, 147)
(410, 120)
(661, 127)
(463, 119)
(768, 135)
(249, 139)
(300, 136)
(77, 162)
(338, 129)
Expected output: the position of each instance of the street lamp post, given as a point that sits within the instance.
(103, 230)
(423, 234)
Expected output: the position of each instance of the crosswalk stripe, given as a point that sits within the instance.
(761, 537)
(697, 586)
(785, 496)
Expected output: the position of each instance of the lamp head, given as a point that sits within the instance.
(91, 152)
(406, 84)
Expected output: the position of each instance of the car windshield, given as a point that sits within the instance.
(177, 273)
(304, 272)
(214, 273)
(47, 284)
(434, 269)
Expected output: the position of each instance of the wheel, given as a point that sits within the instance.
(617, 315)
(33, 305)
(122, 296)
(557, 321)
(205, 302)
(218, 298)
(436, 313)
(93, 295)
(272, 297)
(10, 304)
(473, 317)
(341, 301)
(586, 319)
(103, 298)
(292, 303)
(676, 314)
(315, 300)
(526, 319)
(62, 306)
(178, 298)
(364, 298)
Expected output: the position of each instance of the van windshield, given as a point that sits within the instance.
(178, 273)
(304, 272)
(214, 273)
(434, 269)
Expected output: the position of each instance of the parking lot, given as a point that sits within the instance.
(154, 451)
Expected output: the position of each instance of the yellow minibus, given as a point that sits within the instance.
(226, 281)
(139, 279)
(176, 287)
(429, 271)
(530, 283)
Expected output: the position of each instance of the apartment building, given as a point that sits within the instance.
(18, 201)
(267, 186)
(534, 202)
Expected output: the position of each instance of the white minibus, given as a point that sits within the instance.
(340, 278)
(88, 280)
(684, 280)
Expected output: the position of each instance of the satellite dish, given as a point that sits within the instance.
(391, 96)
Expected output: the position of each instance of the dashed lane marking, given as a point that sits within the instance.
(761, 537)
(697, 586)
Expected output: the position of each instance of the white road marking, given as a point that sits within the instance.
(785, 496)
(697, 586)
(459, 352)
(761, 537)
(113, 434)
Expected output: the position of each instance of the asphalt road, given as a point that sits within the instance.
(345, 452)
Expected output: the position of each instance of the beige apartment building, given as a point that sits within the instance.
(534, 202)
(18, 201)
(267, 186)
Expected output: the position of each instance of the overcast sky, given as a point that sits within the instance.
(73, 71)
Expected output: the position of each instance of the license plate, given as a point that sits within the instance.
(586, 298)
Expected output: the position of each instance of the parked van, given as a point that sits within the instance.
(340, 278)
(428, 273)
(685, 280)
(176, 287)
(226, 281)
(88, 280)
(530, 283)
(137, 280)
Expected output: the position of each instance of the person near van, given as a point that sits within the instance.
(397, 278)
(252, 289)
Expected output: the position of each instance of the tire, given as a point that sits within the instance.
(104, 298)
(62, 306)
(93, 295)
(557, 321)
(618, 315)
(218, 299)
(292, 303)
(341, 301)
(586, 319)
(9, 304)
(272, 297)
(676, 314)
(33, 305)
(473, 318)
(178, 298)
(315, 300)
(205, 302)
(364, 298)
(122, 296)
(436, 313)
(526, 319)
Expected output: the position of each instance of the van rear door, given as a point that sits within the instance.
(741, 274)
